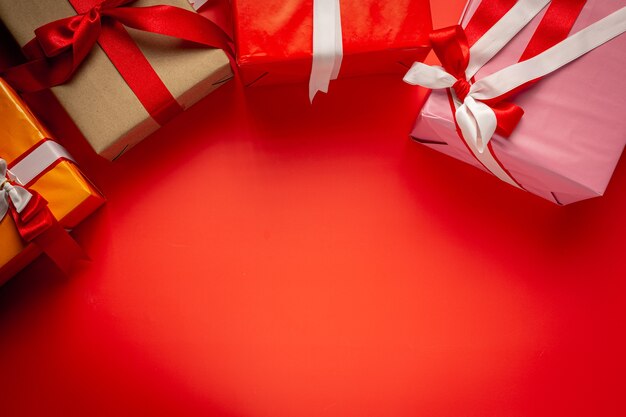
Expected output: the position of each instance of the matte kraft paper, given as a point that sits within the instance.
(98, 100)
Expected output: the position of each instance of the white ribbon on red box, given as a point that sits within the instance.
(38, 160)
(327, 45)
(11, 192)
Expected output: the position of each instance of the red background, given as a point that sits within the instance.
(263, 257)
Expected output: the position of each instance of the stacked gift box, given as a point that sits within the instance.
(121, 69)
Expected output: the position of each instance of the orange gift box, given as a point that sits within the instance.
(71, 197)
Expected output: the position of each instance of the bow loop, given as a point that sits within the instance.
(478, 119)
(508, 115)
(69, 33)
(10, 193)
(452, 48)
(461, 88)
(477, 122)
(61, 46)
(34, 222)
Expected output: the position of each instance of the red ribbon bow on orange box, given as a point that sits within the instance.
(35, 222)
(61, 46)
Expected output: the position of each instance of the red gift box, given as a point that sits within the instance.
(274, 38)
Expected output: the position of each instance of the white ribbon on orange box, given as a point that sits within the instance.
(476, 120)
(11, 192)
(25, 171)
(38, 160)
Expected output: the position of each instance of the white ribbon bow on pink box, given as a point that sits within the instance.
(476, 120)
(327, 45)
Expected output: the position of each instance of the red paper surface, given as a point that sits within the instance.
(274, 38)
(320, 264)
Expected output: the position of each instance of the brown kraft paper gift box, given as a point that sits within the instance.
(97, 98)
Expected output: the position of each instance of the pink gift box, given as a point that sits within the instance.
(573, 131)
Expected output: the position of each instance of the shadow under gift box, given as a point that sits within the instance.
(97, 98)
(274, 38)
(573, 131)
(71, 197)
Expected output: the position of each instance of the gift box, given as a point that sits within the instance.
(41, 165)
(572, 133)
(274, 38)
(112, 116)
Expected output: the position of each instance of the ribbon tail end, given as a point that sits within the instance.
(62, 249)
(313, 90)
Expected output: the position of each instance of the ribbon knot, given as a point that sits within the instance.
(11, 193)
(461, 87)
(477, 119)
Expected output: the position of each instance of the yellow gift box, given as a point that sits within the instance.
(71, 197)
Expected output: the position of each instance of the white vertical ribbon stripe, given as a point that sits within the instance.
(327, 45)
(26, 170)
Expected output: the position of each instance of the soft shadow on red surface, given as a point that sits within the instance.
(263, 257)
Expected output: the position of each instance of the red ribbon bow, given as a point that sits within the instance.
(61, 46)
(36, 224)
(34, 219)
(452, 48)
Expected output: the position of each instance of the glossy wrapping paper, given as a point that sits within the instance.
(274, 38)
(71, 197)
(573, 131)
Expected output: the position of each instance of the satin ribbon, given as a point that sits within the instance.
(477, 120)
(475, 114)
(327, 45)
(10, 192)
(217, 11)
(33, 219)
(46, 154)
(61, 46)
